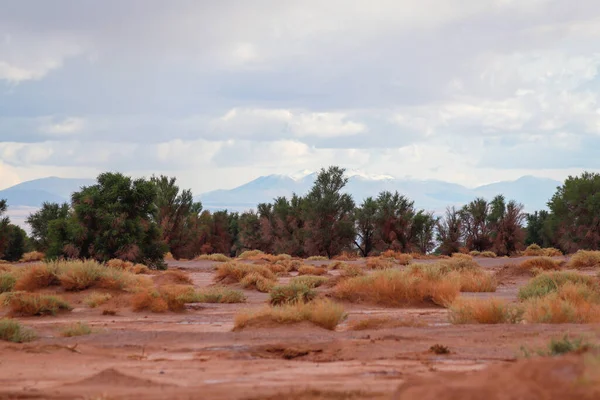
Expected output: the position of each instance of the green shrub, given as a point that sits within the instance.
(292, 293)
(13, 331)
(310, 281)
(77, 329)
(548, 282)
(7, 282)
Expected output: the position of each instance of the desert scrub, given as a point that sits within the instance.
(351, 271)
(30, 304)
(558, 347)
(336, 265)
(380, 263)
(317, 258)
(311, 270)
(470, 277)
(400, 258)
(218, 294)
(76, 329)
(7, 282)
(397, 288)
(323, 313)
(488, 254)
(248, 254)
(258, 282)
(217, 257)
(543, 263)
(488, 311)
(310, 281)
(533, 250)
(233, 272)
(383, 323)
(96, 299)
(585, 259)
(13, 331)
(32, 256)
(462, 256)
(292, 293)
(548, 282)
(569, 303)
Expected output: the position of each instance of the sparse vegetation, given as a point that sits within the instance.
(257, 281)
(585, 259)
(13, 331)
(379, 263)
(311, 281)
(439, 349)
(7, 282)
(488, 311)
(398, 288)
(30, 304)
(218, 294)
(32, 256)
(216, 257)
(542, 263)
(292, 293)
(323, 313)
(488, 254)
(548, 282)
(570, 303)
(96, 299)
(233, 272)
(311, 270)
(351, 271)
(533, 250)
(317, 258)
(559, 347)
(76, 329)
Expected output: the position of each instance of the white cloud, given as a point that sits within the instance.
(66, 127)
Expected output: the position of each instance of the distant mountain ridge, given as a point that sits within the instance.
(431, 195)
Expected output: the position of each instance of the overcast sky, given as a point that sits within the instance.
(220, 92)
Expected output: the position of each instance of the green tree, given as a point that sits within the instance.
(537, 231)
(16, 245)
(365, 218)
(176, 213)
(575, 213)
(475, 224)
(40, 221)
(506, 225)
(115, 219)
(329, 223)
(423, 231)
(394, 222)
(4, 230)
(449, 232)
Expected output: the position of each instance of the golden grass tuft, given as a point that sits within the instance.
(30, 304)
(466, 273)
(484, 311)
(169, 256)
(543, 263)
(336, 265)
(7, 282)
(372, 323)
(488, 254)
(570, 303)
(397, 288)
(219, 294)
(401, 258)
(37, 277)
(96, 299)
(462, 256)
(317, 258)
(174, 276)
(351, 271)
(291, 293)
(233, 272)
(533, 250)
(311, 270)
(474, 253)
(33, 256)
(379, 263)
(254, 280)
(323, 313)
(217, 257)
(13, 331)
(474, 281)
(312, 281)
(149, 300)
(76, 329)
(584, 259)
(548, 282)
(346, 256)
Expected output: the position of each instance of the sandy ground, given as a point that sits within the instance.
(195, 354)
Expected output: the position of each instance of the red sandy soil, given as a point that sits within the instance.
(195, 355)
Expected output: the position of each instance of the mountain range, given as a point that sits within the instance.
(431, 195)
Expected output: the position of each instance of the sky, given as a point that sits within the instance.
(220, 92)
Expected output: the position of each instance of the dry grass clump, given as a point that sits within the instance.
(384, 322)
(169, 256)
(30, 304)
(543, 263)
(336, 265)
(248, 254)
(484, 311)
(462, 256)
(351, 271)
(13, 331)
(174, 276)
(7, 282)
(278, 269)
(401, 258)
(398, 288)
(219, 294)
(127, 266)
(570, 303)
(317, 258)
(37, 277)
(149, 300)
(217, 257)
(323, 313)
(469, 276)
(76, 329)
(96, 299)
(292, 293)
(533, 250)
(312, 281)
(311, 270)
(259, 255)
(32, 256)
(488, 254)
(233, 272)
(584, 259)
(289, 265)
(474, 253)
(255, 280)
(379, 263)
(548, 282)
